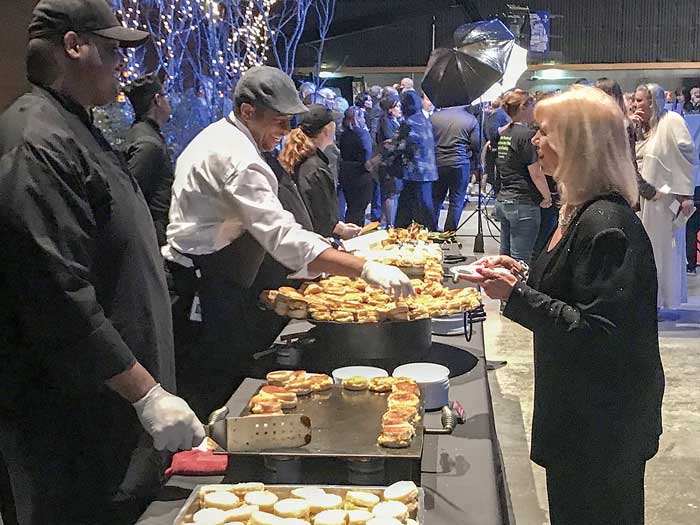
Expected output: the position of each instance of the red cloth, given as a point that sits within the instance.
(197, 463)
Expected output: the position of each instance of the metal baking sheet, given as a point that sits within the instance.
(192, 505)
(346, 424)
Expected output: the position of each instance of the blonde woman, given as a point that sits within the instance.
(667, 160)
(590, 300)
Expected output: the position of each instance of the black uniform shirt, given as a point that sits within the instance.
(149, 161)
(316, 185)
(515, 153)
(456, 134)
(84, 289)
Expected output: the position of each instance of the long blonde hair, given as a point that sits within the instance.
(297, 148)
(586, 129)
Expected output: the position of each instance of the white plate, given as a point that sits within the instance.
(365, 371)
(433, 380)
(469, 270)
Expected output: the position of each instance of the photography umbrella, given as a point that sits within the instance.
(457, 76)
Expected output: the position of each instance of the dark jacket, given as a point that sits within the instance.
(316, 186)
(150, 163)
(414, 144)
(457, 137)
(591, 305)
(355, 151)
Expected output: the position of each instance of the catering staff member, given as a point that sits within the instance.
(85, 327)
(146, 150)
(225, 215)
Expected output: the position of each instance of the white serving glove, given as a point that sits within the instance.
(346, 230)
(169, 420)
(389, 278)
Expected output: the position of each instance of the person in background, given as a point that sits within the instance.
(612, 88)
(304, 159)
(590, 301)
(146, 150)
(355, 151)
(549, 217)
(225, 215)
(326, 96)
(428, 108)
(307, 92)
(364, 101)
(372, 118)
(456, 133)
(523, 188)
(691, 235)
(692, 106)
(87, 346)
(389, 175)
(495, 120)
(406, 84)
(414, 149)
(667, 160)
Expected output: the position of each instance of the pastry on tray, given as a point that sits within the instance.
(356, 383)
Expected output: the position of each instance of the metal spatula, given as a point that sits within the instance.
(258, 433)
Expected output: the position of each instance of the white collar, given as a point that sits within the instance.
(238, 123)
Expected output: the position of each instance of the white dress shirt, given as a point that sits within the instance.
(222, 188)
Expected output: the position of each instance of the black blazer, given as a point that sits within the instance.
(591, 305)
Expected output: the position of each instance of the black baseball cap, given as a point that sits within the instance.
(269, 87)
(57, 17)
(316, 118)
(141, 92)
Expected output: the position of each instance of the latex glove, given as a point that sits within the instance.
(388, 278)
(687, 207)
(346, 230)
(169, 420)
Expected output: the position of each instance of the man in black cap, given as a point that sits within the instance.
(146, 150)
(85, 326)
(225, 215)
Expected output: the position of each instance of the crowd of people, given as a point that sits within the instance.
(129, 275)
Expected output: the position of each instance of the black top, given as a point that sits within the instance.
(317, 189)
(149, 162)
(591, 304)
(84, 289)
(456, 134)
(515, 153)
(494, 120)
(355, 151)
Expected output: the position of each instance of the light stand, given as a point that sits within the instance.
(480, 210)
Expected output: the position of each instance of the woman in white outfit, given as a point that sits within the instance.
(667, 160)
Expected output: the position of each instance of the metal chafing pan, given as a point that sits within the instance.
(192, 504)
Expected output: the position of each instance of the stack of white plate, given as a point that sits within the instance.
(350, 371)
(433, 380)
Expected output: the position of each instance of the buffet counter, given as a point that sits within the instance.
(461, 474)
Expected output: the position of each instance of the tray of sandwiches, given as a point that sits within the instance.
(388, 410)
(344, 300)
(254, 503)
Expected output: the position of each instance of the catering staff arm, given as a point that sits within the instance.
(462, 473)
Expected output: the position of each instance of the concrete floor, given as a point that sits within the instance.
(673, 476)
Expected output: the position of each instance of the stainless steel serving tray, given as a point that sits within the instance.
(346, 424)
(191, 506)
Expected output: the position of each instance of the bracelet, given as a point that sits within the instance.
(524, 271)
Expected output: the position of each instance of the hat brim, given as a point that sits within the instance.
(126, 37)
(290, 109)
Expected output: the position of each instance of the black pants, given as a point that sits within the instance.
(358, 196)
(452, 180)
(80, 462)
(691, 240)
(416, 205)
(596, 493)
(7, 499)
(233, 328)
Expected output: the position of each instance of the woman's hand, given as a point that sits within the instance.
(499, 261)
(546, 203)
(497, 285)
